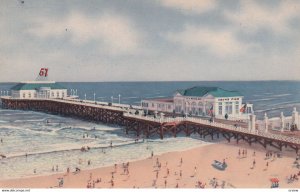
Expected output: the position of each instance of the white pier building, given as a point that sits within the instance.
(202, 101)
(38, 90)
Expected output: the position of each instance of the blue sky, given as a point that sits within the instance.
(150, 40)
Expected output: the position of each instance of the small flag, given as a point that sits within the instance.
(43, 72)
(243, 109)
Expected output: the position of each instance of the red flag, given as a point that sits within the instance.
(243, 109)
(43, 72)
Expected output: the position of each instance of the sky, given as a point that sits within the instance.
(150, 40)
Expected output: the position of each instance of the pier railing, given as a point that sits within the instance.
(218, 125)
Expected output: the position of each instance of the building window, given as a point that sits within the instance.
(29, 95)
(52, 94)
(62, 94)
(152, 104)
(228, 107)
(194, 108)
(178, 109)
(220, 108)
(35, 95)
(24, 95)
(145, 104)
(237, 106)
(57, 94)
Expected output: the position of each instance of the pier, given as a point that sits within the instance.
(148, 126)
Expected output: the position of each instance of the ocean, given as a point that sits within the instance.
(51, 140)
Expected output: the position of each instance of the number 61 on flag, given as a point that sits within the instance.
(43, 72)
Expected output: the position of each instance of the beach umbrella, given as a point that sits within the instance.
(274, 180)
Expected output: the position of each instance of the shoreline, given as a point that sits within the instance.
(107, 153)
(234, 176)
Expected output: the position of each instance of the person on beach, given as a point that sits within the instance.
(112, 183)
(1, 140)
(239, 153)
(68, 170)
(267, 165)
(181, 161)
(56, 167)
(165, 183)
(91, 176)
(60, 182)
(177, 186)
(156, 174)
(111, 144)
(180, 174)
(195, 171)
(77, 170)
(115, 167)
(253, 163)
(152, 154)
(224, 162)
(34, 171)
(168, 172)
(89, 162)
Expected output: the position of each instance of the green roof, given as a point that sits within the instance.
(214, 91)
(36, 86)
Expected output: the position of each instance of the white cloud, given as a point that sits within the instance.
(253, 16)
(190, 6)
(220, 43)
(116, 33)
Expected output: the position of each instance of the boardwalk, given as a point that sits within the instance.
(124, 115)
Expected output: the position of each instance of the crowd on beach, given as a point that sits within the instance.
(163, 172)
(168, 175)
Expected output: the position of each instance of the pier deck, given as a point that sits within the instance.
(147, 126)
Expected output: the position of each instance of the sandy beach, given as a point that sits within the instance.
(167, 170)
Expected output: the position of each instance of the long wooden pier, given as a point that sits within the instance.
(148, 126)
